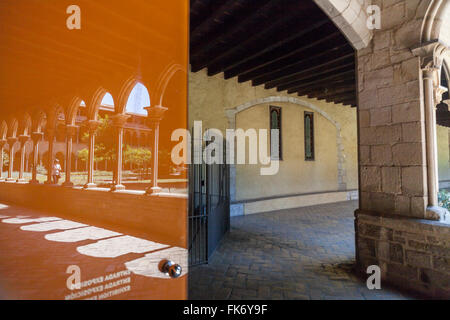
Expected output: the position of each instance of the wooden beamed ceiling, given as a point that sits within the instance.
(290, 45)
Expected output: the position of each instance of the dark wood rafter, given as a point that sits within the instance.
(284, 44)
(258, 44)
(280, 71)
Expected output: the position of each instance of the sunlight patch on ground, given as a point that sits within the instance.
(54, 225)
(24, 220)
(148, 266)
(88, 233)
(112, 248)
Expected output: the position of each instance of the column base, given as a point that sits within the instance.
(90, 185)
(34, 182)
(117, 187)
(68, 184)
(49, 183)
(153, 190)
(437, 214)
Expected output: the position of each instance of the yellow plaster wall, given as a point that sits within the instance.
(209, 97)
(443, 153)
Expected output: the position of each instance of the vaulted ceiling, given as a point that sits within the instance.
(290, 45)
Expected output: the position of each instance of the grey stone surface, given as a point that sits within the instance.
(305, 253)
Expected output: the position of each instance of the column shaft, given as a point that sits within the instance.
(430, 125)
(11, 142)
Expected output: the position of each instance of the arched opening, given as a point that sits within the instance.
(443, 139)
(78, 168)
(136, 164)
(289, 90)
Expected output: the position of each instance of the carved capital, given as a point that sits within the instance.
(12, 141)
(431, 55)
(155, 113)
(23, 139)
(92, 126)
(71, 130)
(119, 120)
(36, 137)
(438, 92)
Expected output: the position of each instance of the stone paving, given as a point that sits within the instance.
(305, 253)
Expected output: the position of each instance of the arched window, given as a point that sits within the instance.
(107, 100)
(309, 136)
(275, 140)
(138, 99)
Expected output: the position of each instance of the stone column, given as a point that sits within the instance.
(71, 131)
(51, 138)
(155, 115)
(431, 58)
(118, 121)
(2, 144)
(36, 137)
(11, 142)
(23, 140)
(92, 127)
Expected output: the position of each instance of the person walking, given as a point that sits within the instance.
(56, 171)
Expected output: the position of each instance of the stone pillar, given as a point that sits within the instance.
(118, 123)
(92, 127)
(51, 138)
(431, 59)
(71, 131)
(36, 137)
(2, 144)
(155, 115)
(11, 142)
(23, 140)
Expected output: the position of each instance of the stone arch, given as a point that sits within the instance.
(25, 124)
(38, 120)
(72, 110)
(436, 23)
(96, 101)
(52, 115)
(125, 92)
(13, 125)
(164, 80)
(351, 17)
(341, 165)
(3, 130)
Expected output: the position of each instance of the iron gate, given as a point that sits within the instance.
(209, 208)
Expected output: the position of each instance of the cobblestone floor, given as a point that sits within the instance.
(305, 253)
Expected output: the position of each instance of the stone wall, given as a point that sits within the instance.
(412, 253)
(443, 156)
(222, 104)
(391, 116)
(394, 229)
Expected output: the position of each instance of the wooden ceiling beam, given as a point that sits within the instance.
(273, 71)
(306, 49)
(308, 76)
(295, 86)
(232, 35)
(323, 82)
(327, 86)
(323, 94)
(262, 42)
(230, 9)
(271, 80)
